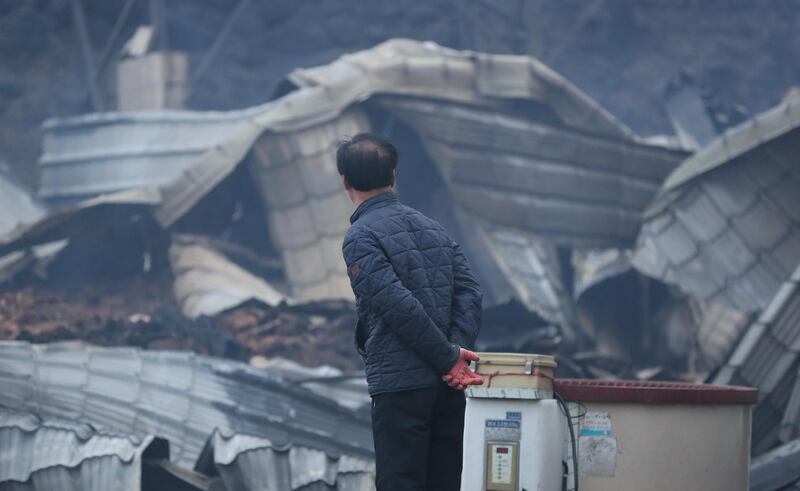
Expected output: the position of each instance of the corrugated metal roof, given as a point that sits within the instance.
(726, 226)
(768, 357)
(252, 463)
(348, 390)
(179, 396)
(112, 151)
(206, 282)
(576, 147)
(572, 186)
(531, 266)
(737, 141)
(108, 152)
(293, 162)
(50, 454)
(715, 328)
(309, 212)
(412, 68)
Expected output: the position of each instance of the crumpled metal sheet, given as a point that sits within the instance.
(291, 144)
(207, 283)
(19, 209)
(293, 161)
(594, 266)
(738, 141)
(531, 266)
(715, 328)
(179, 396)
(102, 153)
(777, 470)
(348, 390)
(308, 211)
(252, 463)
(44, 455)
(189, 152)
(768, 357)
(424, 69)
(529, 172)
(726, 226)
(18, 206)
(64, 223)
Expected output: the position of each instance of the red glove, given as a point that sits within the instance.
(460, 376)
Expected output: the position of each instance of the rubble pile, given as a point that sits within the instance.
(141, 312)
(50, 311)
(319, 333)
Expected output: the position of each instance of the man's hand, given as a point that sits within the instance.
(460, 376)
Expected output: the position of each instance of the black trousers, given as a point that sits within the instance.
(419, 439)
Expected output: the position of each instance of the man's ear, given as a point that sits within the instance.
(394, 177)
(346, 183)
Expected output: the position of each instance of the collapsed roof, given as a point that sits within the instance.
(531, 164)
(726, 224)
(768, 357)
(609, 290)
(540, 156)
(179, 396)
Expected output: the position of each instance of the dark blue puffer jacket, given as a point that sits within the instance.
(417, 299)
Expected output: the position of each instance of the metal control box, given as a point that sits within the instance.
(502, 466)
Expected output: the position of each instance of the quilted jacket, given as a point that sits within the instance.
(416, 297)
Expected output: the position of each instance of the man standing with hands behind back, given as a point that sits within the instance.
(419, 312)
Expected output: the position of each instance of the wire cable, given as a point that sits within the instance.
(565, 410)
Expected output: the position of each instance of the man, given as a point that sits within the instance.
(419, 312)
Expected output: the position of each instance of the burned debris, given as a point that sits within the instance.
(181, 246)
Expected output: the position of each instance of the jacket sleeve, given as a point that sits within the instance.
(383, 295)
(467, 298)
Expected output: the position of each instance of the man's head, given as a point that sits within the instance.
(367, 164)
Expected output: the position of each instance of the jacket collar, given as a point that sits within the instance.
(379, 201)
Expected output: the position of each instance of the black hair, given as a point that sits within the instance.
(367, 161)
